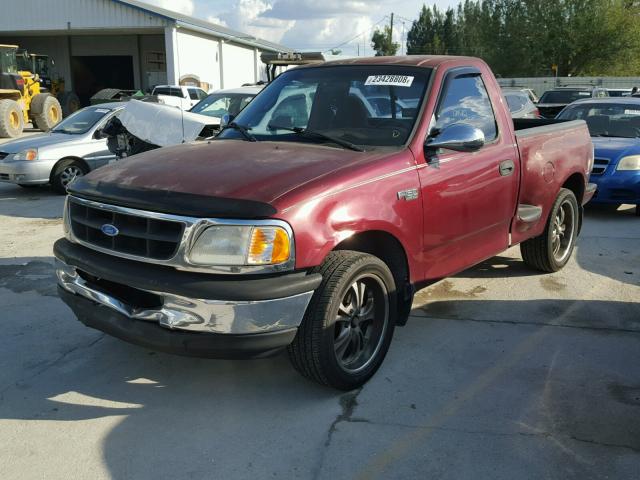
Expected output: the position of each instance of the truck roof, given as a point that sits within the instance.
(407, 60)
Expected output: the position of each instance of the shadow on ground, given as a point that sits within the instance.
(33, 202)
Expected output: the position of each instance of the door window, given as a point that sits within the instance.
(466, 101)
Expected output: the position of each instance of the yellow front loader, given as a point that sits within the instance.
(21, 100)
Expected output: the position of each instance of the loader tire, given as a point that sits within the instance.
(11, 119)
(45, 111)
(70, 103)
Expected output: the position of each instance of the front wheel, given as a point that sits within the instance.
(64, 173)
(349, 322)
(551, 251)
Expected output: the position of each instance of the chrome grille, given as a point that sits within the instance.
(599, 166)
(140, 236)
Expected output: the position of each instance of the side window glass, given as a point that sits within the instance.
(466, 101)
(193, 94)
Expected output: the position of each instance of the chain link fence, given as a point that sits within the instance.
(542, 84)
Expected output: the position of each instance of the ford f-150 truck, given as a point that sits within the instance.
(309, 222)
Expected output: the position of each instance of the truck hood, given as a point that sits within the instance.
(37, 141)
(257, 172)
(615, 148)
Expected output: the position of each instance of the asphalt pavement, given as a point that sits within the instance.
(501, 373)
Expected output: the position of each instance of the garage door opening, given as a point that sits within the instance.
(91, 74)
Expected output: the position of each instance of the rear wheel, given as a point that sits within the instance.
(69, 102)
(11, 119)
(46, 111)
(349, 322)
(66, 172)
(551, 251)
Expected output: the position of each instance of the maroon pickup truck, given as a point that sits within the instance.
(309, 222)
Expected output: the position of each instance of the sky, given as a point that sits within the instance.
(311, 25)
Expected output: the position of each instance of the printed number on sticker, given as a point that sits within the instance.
(390, 80)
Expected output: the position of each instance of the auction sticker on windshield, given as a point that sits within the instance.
(390, 80)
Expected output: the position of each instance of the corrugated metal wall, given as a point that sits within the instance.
(28, 15)
(542, 84)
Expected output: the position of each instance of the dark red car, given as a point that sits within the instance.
(311, 220)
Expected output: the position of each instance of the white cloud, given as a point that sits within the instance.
(247, 16)
(217, 21)
(181, 6)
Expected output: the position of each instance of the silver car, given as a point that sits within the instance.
(73, 148)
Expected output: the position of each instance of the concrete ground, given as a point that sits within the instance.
(501, 373)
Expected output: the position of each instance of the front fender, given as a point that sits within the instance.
(323, 222)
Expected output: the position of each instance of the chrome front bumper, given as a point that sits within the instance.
(196, 315)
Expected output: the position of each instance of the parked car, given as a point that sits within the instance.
(619, 92)
(71, 149)
(520, 105)
(529, 91)
(134, 131)
(308, 224)
(553, 101)
(183, 97)
(226, 102)
(614, 125)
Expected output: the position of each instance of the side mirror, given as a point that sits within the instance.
(226, 119)
(460, 137)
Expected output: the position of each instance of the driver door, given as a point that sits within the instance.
(468, 198)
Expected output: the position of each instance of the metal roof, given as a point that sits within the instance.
(203, 26)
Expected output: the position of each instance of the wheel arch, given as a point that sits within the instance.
(576, 182)
(80, 160)
(388, 248)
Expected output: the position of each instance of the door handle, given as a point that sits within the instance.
(507, 167)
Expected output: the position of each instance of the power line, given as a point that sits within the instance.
(359, 34)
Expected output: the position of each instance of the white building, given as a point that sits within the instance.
(129, 44)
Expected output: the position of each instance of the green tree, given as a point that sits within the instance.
(526, 37)
(383, 44)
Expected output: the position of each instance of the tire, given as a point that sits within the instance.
(336, 324)
(64, 173)
(45, 111)
(552, 250)
(11, 119)
(70, 102)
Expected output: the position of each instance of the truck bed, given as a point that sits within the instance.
(548, 149)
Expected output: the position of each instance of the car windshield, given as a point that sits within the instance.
(172, 92)
(564, 96)
(607, 119)
(82, 121)
(516, 100)
(221, 104)
(345, 103)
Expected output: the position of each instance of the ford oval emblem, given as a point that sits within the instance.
(109, 230)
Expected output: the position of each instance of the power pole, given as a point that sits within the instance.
(391, 31)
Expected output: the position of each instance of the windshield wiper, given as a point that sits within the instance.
(242, 129)
(312, 133)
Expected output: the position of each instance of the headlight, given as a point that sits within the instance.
(631, 162)
(241, 245)
(29, 154)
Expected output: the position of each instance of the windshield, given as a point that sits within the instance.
(340, 102)
(607, 119)
(516, 100)
(564, 96)
(171, 92)
(221, 104)
(82, 121)
(8, 60)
